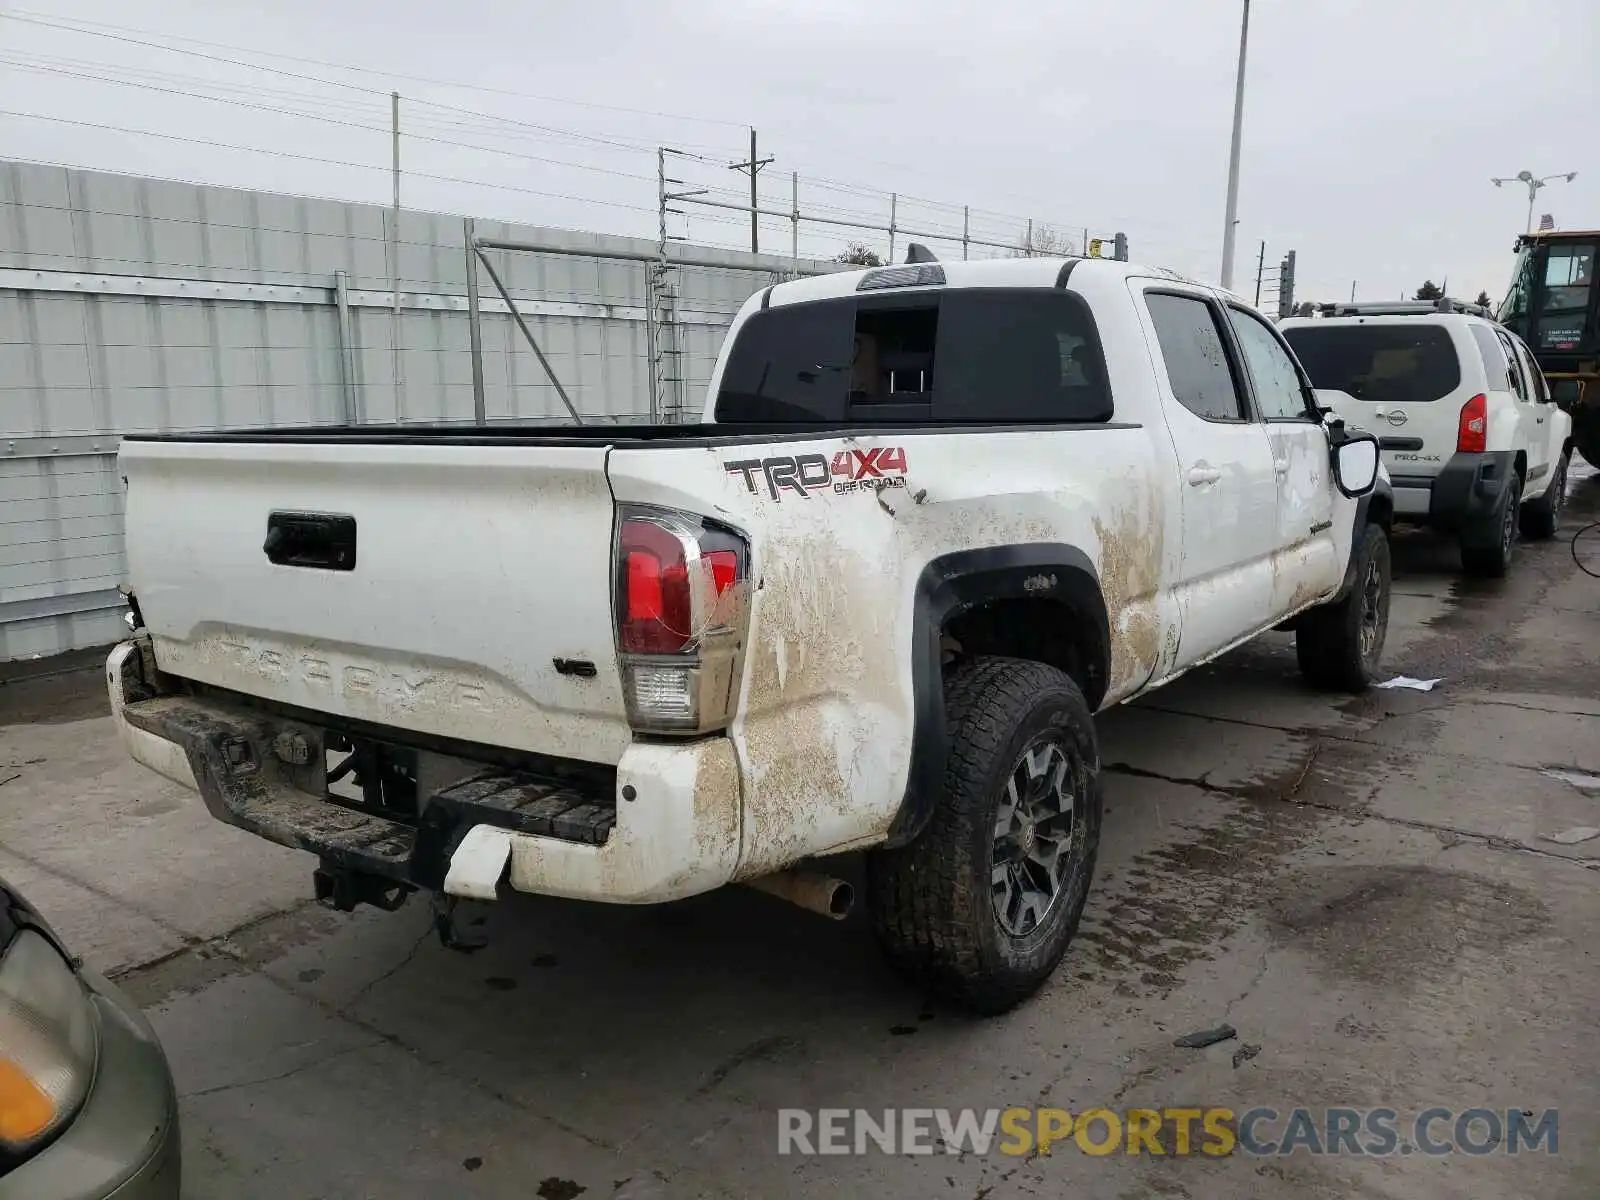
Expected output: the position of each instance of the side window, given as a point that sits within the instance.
(1492, 353)
(1029, 355)
(1541, 390)
(1515, 372)
(1278, 387)
(1196, 357)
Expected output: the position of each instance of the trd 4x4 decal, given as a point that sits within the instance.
(865, 469)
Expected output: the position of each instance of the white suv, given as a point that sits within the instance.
(1474, 444)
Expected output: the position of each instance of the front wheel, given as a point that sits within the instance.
(980, 907)
(1340, 645)
(1542, 517)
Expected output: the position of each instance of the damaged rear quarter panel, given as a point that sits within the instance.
(824, 726)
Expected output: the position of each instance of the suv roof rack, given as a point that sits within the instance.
(1406, 308)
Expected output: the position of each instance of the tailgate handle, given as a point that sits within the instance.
(301, 539)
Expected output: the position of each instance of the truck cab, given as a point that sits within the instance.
(1553, 304)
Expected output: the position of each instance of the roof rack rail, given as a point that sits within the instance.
(1406, 308)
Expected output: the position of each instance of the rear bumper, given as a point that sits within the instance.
(1462, 497)
(669, 827)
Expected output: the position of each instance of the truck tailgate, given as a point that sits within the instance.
(475, 571)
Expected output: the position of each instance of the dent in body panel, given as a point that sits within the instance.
(1132, 562)
(824, 730)
(679, 835)
(827, 713)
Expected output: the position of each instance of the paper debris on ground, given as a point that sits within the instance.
(1405, 681)
(1578, 779)
(1571, 837)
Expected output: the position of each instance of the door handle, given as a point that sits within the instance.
(1200, 476)
(1538, 420)
(1280, 467)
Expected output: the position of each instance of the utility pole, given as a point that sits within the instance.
(1286, 286)
(753, 168)
(1352, 291)
(1261, 262)
(394, 247)
(1231, 217)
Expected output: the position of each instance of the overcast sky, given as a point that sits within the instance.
(1372, 127)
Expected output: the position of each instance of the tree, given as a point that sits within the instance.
(1305, 309)
(1043, 241)
(858, 254)
(1429, 291)
(1483, 299)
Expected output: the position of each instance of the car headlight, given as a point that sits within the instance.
(47, 1042)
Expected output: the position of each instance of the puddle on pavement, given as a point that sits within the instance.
(1398, 926)
(1174, 905)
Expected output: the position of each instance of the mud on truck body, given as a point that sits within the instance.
(936, 516)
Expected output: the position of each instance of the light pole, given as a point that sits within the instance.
(1231, 219)
(1533, 187)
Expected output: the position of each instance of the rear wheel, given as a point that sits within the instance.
(1542, 517)
(1340, 645)
(981, 906)
(1490, 558)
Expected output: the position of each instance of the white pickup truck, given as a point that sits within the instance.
(936, 516)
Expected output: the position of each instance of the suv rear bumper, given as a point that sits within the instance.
(669, 827)
(1465, 494)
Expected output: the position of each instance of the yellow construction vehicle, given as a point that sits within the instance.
(1553, 304)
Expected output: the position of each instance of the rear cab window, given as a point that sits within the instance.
(1402, 363)
(960, 356)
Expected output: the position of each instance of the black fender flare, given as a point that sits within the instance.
(955, 583)
(1364, 516)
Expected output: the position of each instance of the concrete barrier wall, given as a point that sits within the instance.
(133, 305)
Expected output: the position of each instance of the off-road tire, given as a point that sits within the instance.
(1541, 518)
(932, 902)
(1340, 645)
(1489, 554)
(1586, 434)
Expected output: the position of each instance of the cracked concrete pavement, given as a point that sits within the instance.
(1366, 889)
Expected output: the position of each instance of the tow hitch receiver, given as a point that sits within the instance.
(462, 924)
(344, 888)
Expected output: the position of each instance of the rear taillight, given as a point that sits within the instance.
(681, 608)
(1472, 434)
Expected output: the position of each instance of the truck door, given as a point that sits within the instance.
(1532, 424)
(1549, 429)
(1226, 481)
(1309, 564)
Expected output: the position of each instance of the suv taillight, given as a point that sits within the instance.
(1472, 434)
(682, 605)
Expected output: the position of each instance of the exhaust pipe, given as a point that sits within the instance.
(822, 894)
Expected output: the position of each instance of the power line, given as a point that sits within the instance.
(375, 109)
(256, 107)
(312, 158)
(333, 83)
(123, 34)
(94, 28)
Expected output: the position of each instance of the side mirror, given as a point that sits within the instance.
(1355, 464)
